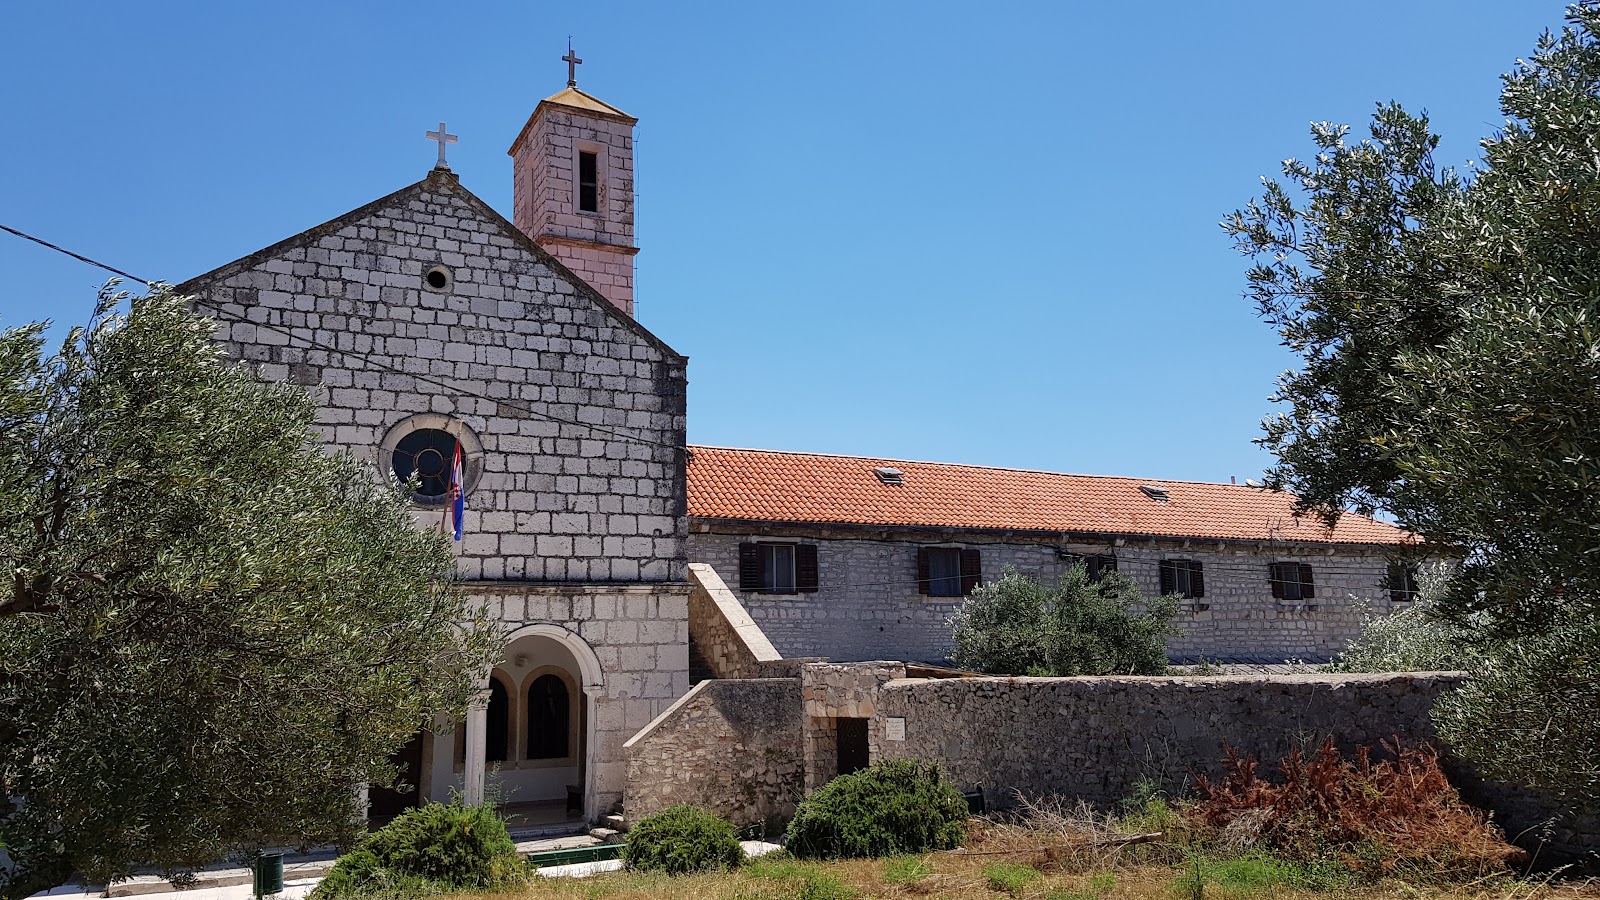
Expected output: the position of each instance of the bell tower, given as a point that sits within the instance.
(573, 186)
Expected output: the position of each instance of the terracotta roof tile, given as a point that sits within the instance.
(771, 485)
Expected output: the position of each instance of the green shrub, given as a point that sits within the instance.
(900, 806)
(1009, 876)
(682, 840)
(432, 849)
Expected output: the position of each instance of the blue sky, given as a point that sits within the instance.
(978, 233)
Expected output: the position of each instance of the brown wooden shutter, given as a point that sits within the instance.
(1169, 582)
(923, 578)
(1308, 591)
(1197, 580)
(1275, 576)
(971, 570)
(749, 568)
(805, 568)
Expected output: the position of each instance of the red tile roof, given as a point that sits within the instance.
(771, 485)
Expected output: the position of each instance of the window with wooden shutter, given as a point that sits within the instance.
(1401, 582)
(749, 568)
(971, 570)
(1291, 582)
(946, 574)
(805, 568)
(777, 567)
(924, 579)
(1184, 577)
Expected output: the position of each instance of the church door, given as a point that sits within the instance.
(386, 803)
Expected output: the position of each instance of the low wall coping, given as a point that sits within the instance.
(703, 576)
(704, 687)
(1329, 678)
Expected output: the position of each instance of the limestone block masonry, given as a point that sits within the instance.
(867, 605)
(552, 501)
(640, 633)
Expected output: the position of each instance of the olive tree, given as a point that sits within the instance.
(1078, 626)
(1448, 329)
(212, 631)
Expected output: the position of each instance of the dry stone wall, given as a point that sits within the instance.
(867, 605)
(1096, 739)
(733, 747)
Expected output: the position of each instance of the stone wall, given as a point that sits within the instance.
(1095, 739)
(868, 607)
(833, 692)
(547, 501)
(731, 746)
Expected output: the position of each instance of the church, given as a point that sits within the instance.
(425, 321)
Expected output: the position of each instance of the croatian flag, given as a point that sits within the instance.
(458, 497)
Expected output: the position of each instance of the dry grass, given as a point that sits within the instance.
(958, 877)
(1076, 854)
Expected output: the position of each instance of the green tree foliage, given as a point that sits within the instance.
(212, 631)
(1018, 626)
(683, 840)
(896, 806)
(1447, 326)
(433, 849)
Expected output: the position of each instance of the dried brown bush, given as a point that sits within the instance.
(1399, 813)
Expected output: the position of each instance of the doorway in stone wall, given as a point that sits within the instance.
(852, 745)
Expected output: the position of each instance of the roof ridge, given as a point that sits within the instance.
(930, 462)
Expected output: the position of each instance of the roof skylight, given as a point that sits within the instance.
(889, 476)
(1154, 493)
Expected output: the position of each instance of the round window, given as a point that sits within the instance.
(429, 453)
(437, 279)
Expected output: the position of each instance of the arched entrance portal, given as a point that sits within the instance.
(531, 730)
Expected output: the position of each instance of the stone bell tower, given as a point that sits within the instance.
(573, 186)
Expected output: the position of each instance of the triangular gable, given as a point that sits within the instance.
(441, 181)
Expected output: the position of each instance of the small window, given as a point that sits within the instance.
(1402, 583)
(948, 571)
(1184, 577)
(778, 568)
(1154, 493)
(438, 279)
(890, 476)
(944, 572)
(1291, 582)
(549, 717)
(588, 181)
(1096, 565)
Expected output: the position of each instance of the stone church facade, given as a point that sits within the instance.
(425, 321)
(426, 318)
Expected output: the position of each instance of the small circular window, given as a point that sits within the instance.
(438, 278)
(428, 453)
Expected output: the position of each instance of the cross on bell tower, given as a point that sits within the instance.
(572, 61)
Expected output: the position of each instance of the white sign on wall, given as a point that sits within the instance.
(894, 729)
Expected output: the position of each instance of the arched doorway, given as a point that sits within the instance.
(537, 723)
